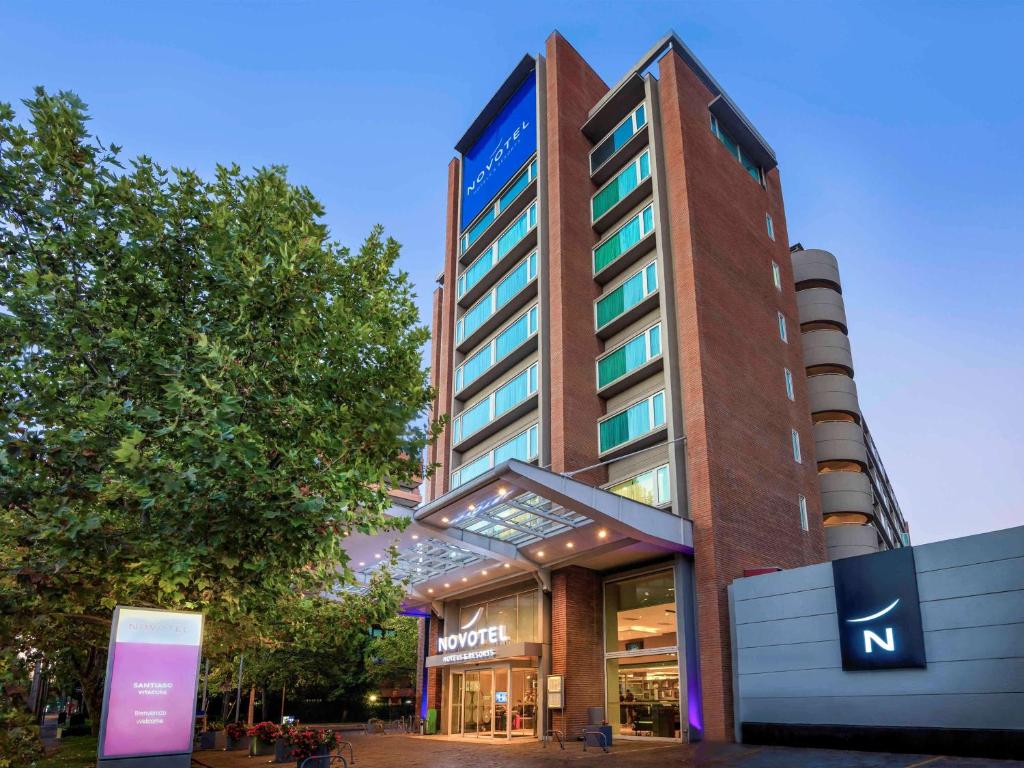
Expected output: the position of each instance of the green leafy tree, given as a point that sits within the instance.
(200, 392)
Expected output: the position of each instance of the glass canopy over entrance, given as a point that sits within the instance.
(513, 520)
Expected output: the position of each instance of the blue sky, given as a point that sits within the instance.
(897, 125)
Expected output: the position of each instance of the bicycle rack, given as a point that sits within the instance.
(556, 734)
(329, 758)
(601, 742)
(351, 751)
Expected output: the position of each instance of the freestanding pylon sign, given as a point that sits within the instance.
(149, 700)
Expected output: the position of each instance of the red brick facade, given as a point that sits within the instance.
(572, 89)
(743, 480)
(577, 645)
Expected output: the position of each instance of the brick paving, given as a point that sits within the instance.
(398, 751)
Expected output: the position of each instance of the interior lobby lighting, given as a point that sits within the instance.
(641, 628)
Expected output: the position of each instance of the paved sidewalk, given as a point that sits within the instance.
(399, 751)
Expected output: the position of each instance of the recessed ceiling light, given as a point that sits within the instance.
(376, 555)
(444, 519)
(472, 507)
(540, 553)
(415, 536)
(602, 534)
(484, 572)
(507, 565)
(430, 591)
(502, 491)
(465, 579)
(446, 585)
(569, 545)
(361, 564)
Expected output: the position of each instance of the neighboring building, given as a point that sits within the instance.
(860, 508)
(616, 344)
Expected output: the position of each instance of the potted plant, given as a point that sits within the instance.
(307, 742)
(213, 734)
(262, 737)
(237, 736)
(281, 748)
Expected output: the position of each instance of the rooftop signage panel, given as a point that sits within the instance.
(504, 146)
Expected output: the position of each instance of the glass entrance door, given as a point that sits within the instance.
(485, 711)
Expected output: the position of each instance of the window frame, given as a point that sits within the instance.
(531, 168)
(491, 251)
(531, 259)
(783, 333)
(643, 234)
(801, 503)
(648, 292)
(491, 399)
(795, 440)
(489, 454)
(776, 275)
(649, 358)
(649, 399)
(631, 116)
(790, 388)
(652, 471)
(633, 165)
(493, 344)
(769, 225)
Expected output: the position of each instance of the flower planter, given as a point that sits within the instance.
(258, 747)
(242, 742)
(208, 740)
(323, 751)
(281, 751)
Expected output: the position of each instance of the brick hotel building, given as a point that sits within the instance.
(650, 394)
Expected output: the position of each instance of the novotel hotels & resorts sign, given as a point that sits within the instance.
(149, 700)
(505, 145)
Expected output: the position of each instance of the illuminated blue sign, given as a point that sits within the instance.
(505, 145)
(501, 697)
(879, 611)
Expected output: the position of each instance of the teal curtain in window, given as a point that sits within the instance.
(510, 338)
(614, 431)
(509, 395)
(659, 410)
(641, 117)
(476, 317)
(516, 448)
(478, 229)
(645, 166)
(513, 283)
(513, 192)
(621, 186)
(477, 270)
(624, 239)
(475, 366)
(648, 214)
(514, 234)
(475, 468)
(655, 333)
(476, 418)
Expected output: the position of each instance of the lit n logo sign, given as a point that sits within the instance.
(870, 638)
(878, 611)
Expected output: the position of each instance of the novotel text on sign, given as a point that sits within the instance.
(502, 148)
(473, 638)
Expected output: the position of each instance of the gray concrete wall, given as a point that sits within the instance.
(787, 666)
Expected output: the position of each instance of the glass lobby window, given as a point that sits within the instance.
(641, 648)
(517, 613)
(650, 487)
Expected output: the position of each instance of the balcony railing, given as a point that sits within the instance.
(523, 447)
(497, 251)
(634, 290)
(511, 338)
(624, 238)
(509, 287)
(521, 182)
(622, 184)
(628, 357)
(650, 487)
(632, 423)
(499, 402)
(623, 132)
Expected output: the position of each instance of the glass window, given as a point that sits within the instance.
(518, 185)
(517, 613)
(796, 445)
(651, 487)
(630, 356)
(736, 151)
(503, 399)
(622, 133)
(782, 328)
(635, 421)
(624, 238)
(519, 229)
(640, 613)
(776, 276)
(627, 295)
(802, 506)
(477, 229)
(769, 225)
(789, 385)
(500, 295)
(510, 338)
(523, 447)
(475, 271)
(626, 181)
